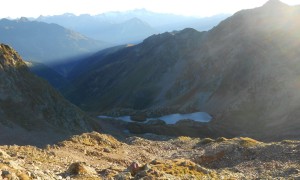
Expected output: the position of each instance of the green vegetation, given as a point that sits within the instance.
(179, 168)
(248, 142)
(206, 141)
(221, 139)
(184, 138)
(94, 139)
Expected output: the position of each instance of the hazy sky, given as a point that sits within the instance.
(34, 8)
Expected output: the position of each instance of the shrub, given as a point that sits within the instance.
(221, 139)
(206, 141)
(248, 142)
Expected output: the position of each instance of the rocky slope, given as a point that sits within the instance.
(254, 54)
(136, 77)
(54, 78)
(31, 111)
(100, 156)
(244, 72)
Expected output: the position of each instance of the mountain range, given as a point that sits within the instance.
(244, 72)
(51, 44)
(46, 43)
(178, 105)
(129, 26)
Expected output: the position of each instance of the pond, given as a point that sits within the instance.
(169, 119)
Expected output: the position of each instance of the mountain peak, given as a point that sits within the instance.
(274, 4)
(6, 52)
(23, 19)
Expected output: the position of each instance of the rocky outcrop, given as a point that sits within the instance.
(30, 106)
(80, 169)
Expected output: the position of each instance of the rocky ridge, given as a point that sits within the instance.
(31, 111)
(100, 156)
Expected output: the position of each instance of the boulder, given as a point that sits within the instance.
(80, 168)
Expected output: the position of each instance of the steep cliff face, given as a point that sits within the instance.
(30, 105)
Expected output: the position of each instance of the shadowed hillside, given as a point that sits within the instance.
(31, 111)
(244, 72)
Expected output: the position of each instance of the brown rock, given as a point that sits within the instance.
(3, 154)
(80, 168)
(133, 168)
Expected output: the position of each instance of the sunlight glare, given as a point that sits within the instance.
(200, 8)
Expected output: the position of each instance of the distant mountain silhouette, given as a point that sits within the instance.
(130, 26)
(47, 43)
(131, 31)
(244, 72)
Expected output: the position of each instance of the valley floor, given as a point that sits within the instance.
(100, 156)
